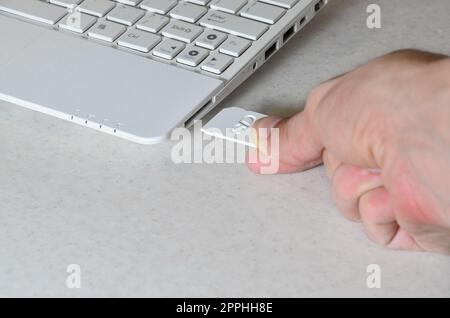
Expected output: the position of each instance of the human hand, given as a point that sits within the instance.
(383, 133)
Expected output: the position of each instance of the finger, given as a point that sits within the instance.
(295, 151)
(349, 184)
(261, 156)
(300, 147)
(380, 221)
(378, 216)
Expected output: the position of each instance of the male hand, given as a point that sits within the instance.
(383, 133)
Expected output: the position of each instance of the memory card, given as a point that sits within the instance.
(233, 124)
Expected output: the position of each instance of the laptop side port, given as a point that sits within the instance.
(319, 5)
(302, 21)
(288, 34)
(269, 52)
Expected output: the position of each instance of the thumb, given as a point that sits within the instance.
(298, 150)
(300, 147)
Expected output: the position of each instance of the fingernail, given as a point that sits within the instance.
(267, 123)
(374, 170)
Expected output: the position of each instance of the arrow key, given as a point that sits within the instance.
(210, 39)
(168, 49)
(217, 63)
(192, 55)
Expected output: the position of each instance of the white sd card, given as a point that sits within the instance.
(233, 124)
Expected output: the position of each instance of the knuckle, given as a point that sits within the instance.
(318, 93)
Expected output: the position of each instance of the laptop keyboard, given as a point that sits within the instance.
(209, 34)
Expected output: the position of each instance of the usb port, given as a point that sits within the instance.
(287, 35)
(302, 21)
(319, 5)
(270, 51)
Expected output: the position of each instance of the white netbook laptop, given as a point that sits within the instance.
(138, 69)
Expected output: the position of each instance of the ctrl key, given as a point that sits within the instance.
(139, 40)
(217, 63)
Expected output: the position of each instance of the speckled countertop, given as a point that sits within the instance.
(139, 225)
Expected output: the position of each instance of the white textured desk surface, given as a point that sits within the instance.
(140, 225)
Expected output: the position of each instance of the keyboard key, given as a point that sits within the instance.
(210, 39)
(34, 10)
(192, 56)
(158, 6)
(182, 31)
(98, 8)
(106, 31)
(188, 12)
(288, 4)
(77, 22)
(216, 63)
(229, 23)
(125, 14)
(139, 40)
(152, 22)
(199, 2)
(168, 49)
(70, 4)
(263, 12)
(234, 46)
(130, 2)
(230, 6)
